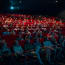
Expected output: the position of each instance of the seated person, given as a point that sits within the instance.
(17, 48)
(49, 47)
(19, 38)
(5, 49)
(38, 47)
(6, 32)
(28, 45)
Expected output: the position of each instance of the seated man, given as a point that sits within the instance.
(37, 46)
(17, 48)
(28, 45)
(49, 47)
(38, 54)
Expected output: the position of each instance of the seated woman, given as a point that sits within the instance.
(5, 50)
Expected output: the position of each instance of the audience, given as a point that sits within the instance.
(21, 35)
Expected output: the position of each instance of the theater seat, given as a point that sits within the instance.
(41, 40)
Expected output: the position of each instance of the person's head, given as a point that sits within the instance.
(45, 38)
(16, 42)
(4, 43)
(20, 36)
(13, 32)
(61, 37)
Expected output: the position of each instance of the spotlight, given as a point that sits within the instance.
(56, 1)
(12, 8)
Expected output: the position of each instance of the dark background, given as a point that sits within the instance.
(44, 7)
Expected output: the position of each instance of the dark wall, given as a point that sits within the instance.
(4, 4)
(41, 6)
(45, 7)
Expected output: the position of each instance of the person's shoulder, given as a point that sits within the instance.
(19, 46)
